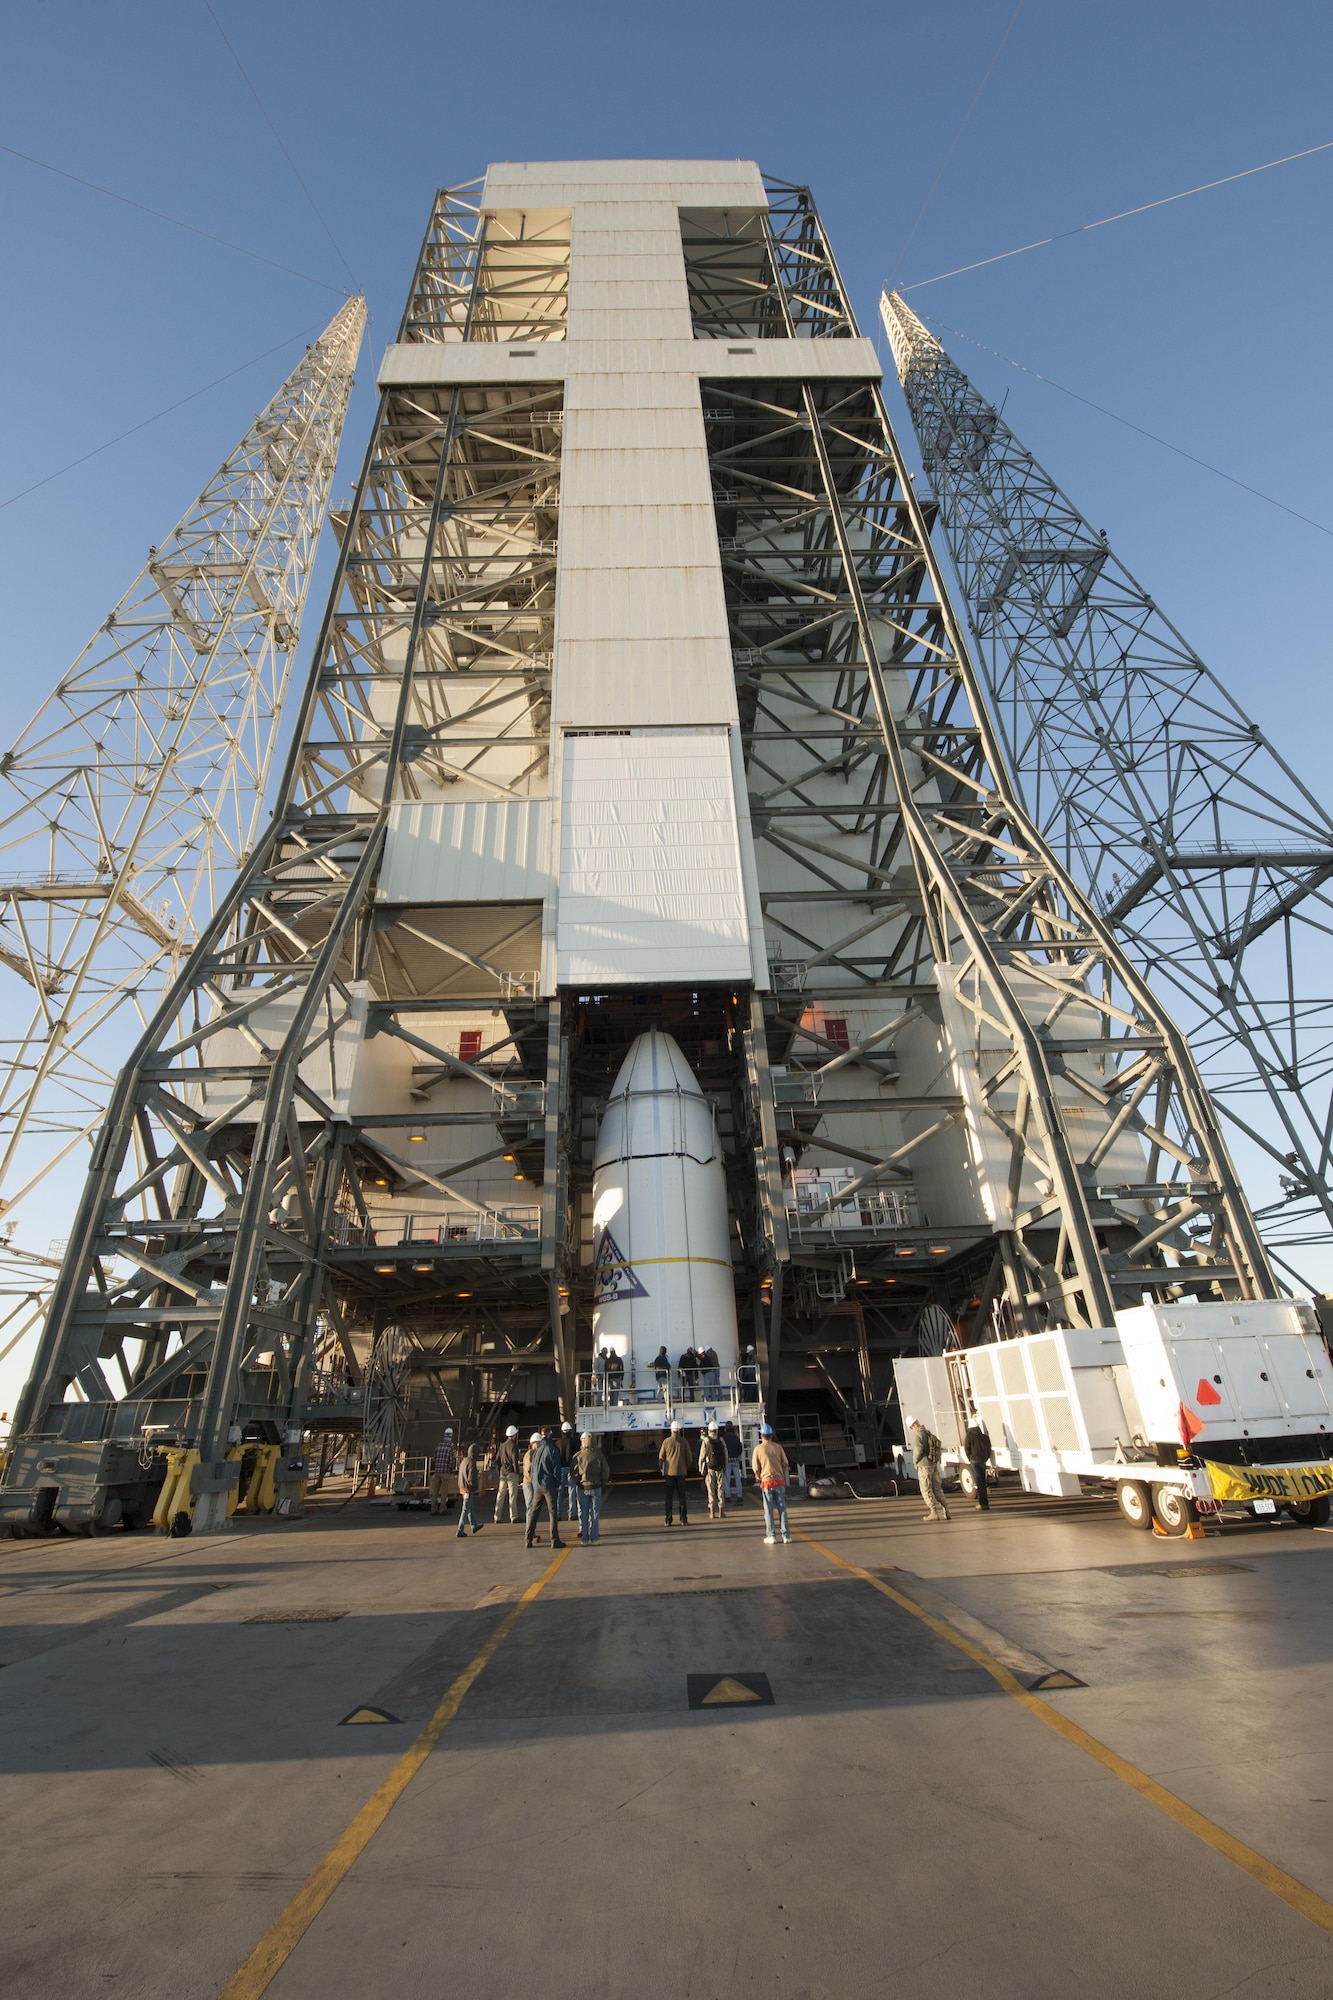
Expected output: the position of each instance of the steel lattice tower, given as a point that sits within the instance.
(129, 801)
(1197, 842)
(639, 698)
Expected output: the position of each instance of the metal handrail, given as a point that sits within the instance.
(394, 1228)
(867, 1210)
(640, 1386)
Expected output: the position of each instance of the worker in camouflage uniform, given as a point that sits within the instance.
(927, 1452)
(713, 1470)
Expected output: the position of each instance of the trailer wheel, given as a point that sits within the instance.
(967, 1483)
(1172, 1508)
(1135, 1504)
(1311, 1513)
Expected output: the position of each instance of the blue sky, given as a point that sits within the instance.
(1205, 321)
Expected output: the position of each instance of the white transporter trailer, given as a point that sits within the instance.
(1176, 1409)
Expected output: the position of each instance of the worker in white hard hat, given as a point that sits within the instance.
(567, 1444)
(747, 1377)
(443, 1475)
(713, 1470)
(674, 1459)
(592, 1470)
(509, 1478)
(980, 1451)
(526, 1469)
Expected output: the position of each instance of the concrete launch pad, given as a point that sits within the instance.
(892, 1817)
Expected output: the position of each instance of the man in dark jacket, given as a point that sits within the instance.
(567, 1444)
(508, 1476)
(747, 1376)
(978, 1447)
(662, 1370)
(674, 1459)
(731, 1438)
(545, 1487)
(592, 1469)
(689, 1375)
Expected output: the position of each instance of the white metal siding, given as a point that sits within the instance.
(650, 868)
(469, 851)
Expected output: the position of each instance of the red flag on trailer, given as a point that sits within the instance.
(1190, 1426)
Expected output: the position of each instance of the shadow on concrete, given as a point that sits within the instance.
(123, 1695)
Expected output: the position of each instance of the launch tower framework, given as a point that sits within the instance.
(1183, 822)
(638, 701)
(138, 789)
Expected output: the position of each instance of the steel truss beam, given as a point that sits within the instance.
(229, 1221)
(881, 795)
(136, 791)
(505, 281)
(1185, 827)
(762, 275)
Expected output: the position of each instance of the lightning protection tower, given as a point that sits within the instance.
(1194, 839)
(135, 792)
(639, 705)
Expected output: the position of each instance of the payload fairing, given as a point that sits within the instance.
(661, 1253)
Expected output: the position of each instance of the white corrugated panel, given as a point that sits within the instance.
(607, 183)
(467, 851)
(666, 478)
(650, 870)
(635, 537)
(662, 681)
(643, 603)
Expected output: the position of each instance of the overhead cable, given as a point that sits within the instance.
(967, 117)
(1129, 425)
(1164, 201)
(175, 220)
(245, 77)
(193, 397)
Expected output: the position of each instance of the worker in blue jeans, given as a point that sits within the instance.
(768, 1462)
(592, 1470)
(567, 1445)
(731, 1438)
(469, 1485)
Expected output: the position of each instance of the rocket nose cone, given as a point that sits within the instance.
(655, 1062)
(656, 1107)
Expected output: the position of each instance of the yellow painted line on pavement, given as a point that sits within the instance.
(1266, 1873)
(282, 1937)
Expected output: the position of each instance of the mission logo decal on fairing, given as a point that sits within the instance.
(612, 1278)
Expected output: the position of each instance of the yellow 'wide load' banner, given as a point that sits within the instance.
(1269, 1482)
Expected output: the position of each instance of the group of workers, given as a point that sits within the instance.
(698, 1370)
(566, 1476)
(719, 1465)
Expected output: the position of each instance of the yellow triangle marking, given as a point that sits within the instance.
(369, 1715)
(1058, 1680)
(728, 1691)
